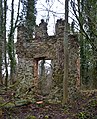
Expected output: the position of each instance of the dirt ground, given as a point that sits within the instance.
(83, 107)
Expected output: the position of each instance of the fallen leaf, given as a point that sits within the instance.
(39, 102)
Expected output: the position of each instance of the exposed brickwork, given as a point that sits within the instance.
(48, 47)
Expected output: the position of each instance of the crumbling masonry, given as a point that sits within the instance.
(30, 50)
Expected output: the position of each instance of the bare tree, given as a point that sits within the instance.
(11, 50)
(1, 39)
(65, 79)
(5, 43)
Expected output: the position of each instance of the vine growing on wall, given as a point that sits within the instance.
(28, 15)
(11, 47)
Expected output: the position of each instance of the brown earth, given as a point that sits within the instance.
(84, 106)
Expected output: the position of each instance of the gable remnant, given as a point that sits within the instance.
(48, 47)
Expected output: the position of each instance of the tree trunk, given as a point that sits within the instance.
(5, 44)
(11, 44)
(1, 40)
(11, 49)
(65, 79)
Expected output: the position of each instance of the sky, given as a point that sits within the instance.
(50, 12)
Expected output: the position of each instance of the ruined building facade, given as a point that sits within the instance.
(43, 47)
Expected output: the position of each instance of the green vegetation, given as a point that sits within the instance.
(27, 98)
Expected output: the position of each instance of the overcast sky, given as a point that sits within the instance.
(50, 12)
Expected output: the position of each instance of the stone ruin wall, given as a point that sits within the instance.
(48, 47)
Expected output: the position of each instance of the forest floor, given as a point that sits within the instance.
(83, 107)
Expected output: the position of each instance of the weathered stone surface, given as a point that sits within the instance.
(74, 66)
(50, 48)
